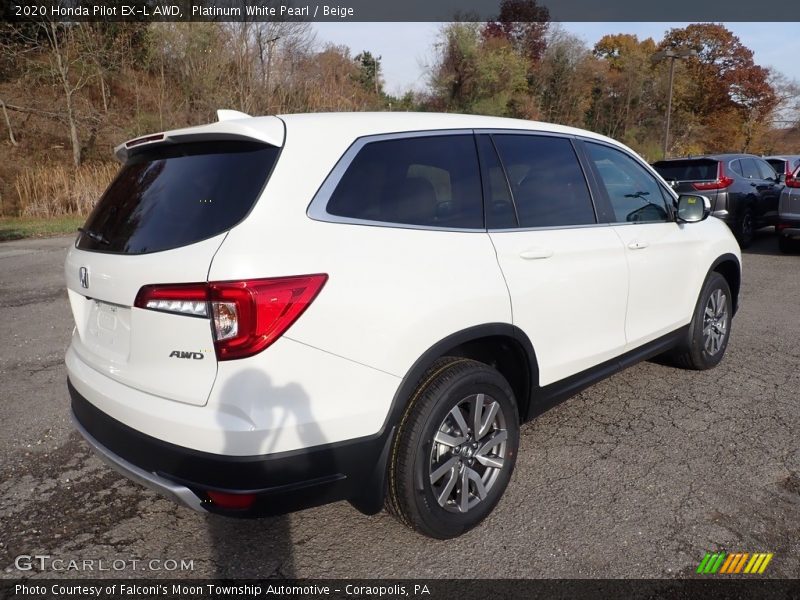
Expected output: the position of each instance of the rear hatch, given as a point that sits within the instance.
(694, 176)
(160, 222)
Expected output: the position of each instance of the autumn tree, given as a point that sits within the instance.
(476, 74)
(729, 93)
(563, 80)
(623, 91)
(524, 24)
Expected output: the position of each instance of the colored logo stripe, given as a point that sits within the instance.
(734, 563)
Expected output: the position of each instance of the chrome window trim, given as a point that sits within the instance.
(550, 228)
(318, 208)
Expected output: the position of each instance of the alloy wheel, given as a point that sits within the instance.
(468, 453)
(715, 322)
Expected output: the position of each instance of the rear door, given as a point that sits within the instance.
(657, 248)
(160, 222)
(769, 190)
(566, 274)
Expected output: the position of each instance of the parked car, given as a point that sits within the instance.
(788, 226)
(784, 165)
(743, 189)
(273, 313)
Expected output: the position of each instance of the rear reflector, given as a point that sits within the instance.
(232, 501)
(247, 316)
(720, 183)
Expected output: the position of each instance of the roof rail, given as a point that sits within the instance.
(230, 115)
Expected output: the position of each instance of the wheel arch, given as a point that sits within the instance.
(729, 267)
(501, 345)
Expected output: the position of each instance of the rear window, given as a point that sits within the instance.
(687, 170)
(778, 164)
(176, 195)
(424, 181)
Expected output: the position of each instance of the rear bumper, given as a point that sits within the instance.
(282, 482)
(788, 227)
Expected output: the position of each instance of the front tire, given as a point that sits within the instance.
(455, 449)
(710, 328)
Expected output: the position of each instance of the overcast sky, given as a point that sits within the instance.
(405, 48)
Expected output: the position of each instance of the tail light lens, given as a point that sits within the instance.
(247, 316)
(183, 299)
(720, 183)
(793, 179)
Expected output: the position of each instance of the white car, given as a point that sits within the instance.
(278, 312)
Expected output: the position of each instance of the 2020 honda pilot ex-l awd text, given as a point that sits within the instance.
(273, 313)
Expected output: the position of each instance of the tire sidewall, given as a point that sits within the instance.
(444, 523)
(701, 357)
(746, 228)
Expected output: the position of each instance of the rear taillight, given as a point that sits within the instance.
(720, 183)
(247, 316)
(793, 180)
(183, 299)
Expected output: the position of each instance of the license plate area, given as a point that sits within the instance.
(108, 329)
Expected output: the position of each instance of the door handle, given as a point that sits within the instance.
(638, 245)
(536, 253)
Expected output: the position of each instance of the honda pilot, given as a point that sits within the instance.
(277, 312)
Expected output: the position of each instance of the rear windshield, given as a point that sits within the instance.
(176, 195)
(687, 170)
(778, 164)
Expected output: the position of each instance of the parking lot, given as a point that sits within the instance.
(638, 476)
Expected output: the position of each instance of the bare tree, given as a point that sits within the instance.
(66, 67)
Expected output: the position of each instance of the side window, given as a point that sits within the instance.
(635, 195)
(428, 181)
(547, 182)
(499, 206)
(749, 169)
(765, 170)
(736, 167)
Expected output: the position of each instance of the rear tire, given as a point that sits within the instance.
(785, 244)
(745, 228)
(710, 328)
(454, 450)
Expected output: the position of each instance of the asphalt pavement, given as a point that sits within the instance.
(638, 476)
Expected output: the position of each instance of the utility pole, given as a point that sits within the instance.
(671, 54)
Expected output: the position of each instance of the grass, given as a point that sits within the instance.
(15, 228)
(56, 191)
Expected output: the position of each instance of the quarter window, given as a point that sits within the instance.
(425, 181)
(635, 195)
(546, 180)
(765, 170)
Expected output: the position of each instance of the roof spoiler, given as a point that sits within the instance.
(224, 114)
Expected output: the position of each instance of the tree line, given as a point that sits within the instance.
(70, 91)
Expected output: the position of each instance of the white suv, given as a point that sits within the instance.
(278, 312)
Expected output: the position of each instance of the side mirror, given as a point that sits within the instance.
(693, 208)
